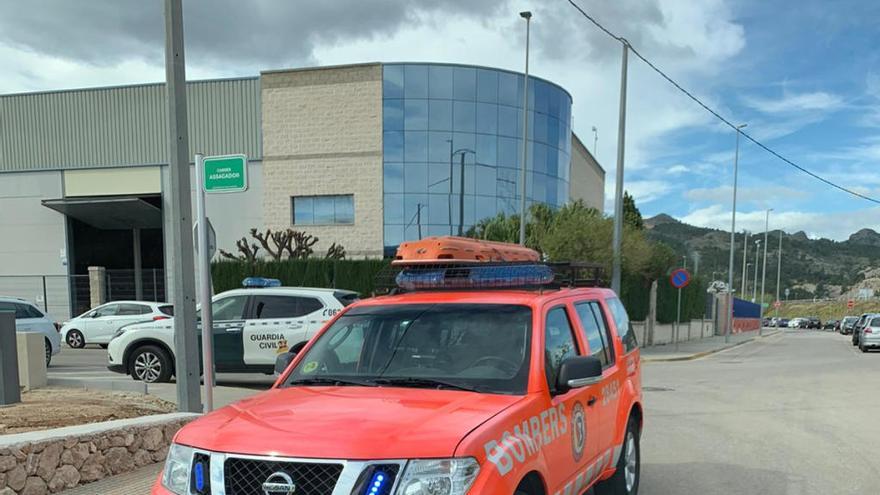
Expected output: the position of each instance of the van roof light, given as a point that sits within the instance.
(260, 283)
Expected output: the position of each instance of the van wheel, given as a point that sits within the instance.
(150, 364)
(625, 480)
(75, 339)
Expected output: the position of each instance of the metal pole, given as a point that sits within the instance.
(745, 259)
(677, 319)
(525, 136)
(138, 275)
(155, 287)
(45, 296)
(205, 286)
(732, 241)
(461, 197)
(450, 186)
(186, 349)
(764, 269)
(10, 392)
(757, 260)
(778, 275)
(618, 186)
(419, 219)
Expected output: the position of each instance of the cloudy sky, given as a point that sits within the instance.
(804, 75)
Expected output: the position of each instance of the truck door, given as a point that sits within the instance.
(573, 449)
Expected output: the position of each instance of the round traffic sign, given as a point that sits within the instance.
(850, 304)
(680, 278)
(777, 304)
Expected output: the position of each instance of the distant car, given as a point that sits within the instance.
(783, 322)
(869, 337)
(28, 318)
(766, 322)
(797, 323)
(98, 325)
(846, 324)
(814, 323)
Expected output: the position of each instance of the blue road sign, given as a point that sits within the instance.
(680, 278)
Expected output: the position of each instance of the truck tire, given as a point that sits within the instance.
(150, 364)
(625, 480)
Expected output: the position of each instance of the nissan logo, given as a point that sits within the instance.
(279, 483)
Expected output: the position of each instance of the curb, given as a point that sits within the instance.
(691, 357)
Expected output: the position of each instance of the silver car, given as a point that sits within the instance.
(29, 318)
(869, 336)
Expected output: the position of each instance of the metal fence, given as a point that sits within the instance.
(63, 296)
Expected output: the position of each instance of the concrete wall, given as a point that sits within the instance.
(665, 333)
(322, 134)
(587, 176)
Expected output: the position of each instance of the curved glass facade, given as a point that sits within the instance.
(435, 114)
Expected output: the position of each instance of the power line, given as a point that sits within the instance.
(715, 113)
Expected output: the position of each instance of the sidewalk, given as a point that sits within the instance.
(137, 482)
(699, 348)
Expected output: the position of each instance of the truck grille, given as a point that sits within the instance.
(246, 476)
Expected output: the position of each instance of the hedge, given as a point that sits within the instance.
(360, 276)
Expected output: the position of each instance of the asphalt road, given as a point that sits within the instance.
(90, 364)
(792, 414)
(796, 413)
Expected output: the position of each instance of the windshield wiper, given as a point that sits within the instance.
(330, 380)
(423, 382)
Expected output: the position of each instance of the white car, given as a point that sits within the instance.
(252, 326)
(796, 322)
(29, 318)
(97, 325)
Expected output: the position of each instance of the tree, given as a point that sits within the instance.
(631, 214)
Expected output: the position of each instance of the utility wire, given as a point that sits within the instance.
(715, 113)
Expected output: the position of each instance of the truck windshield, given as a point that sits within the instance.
(481, 347)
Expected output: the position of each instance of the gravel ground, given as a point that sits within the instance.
(56, 407)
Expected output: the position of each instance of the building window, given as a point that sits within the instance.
(323, 210)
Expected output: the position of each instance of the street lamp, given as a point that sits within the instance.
(463, 151)
(745, 275)
(764, 269)
(525, 138)
(595, 141)
(757, 261)
(732, 240)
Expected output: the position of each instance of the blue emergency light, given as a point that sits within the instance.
(376, 484)
(260, 283)
(474, 276)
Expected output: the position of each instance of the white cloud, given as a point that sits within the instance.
(795, 102)
(677, 169)
(838, 226)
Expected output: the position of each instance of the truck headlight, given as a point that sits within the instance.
(177, 467)
(438, 476)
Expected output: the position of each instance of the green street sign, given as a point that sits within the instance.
(227, 173)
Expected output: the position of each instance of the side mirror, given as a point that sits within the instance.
(577, 372)
(283, 361)
(93, 314)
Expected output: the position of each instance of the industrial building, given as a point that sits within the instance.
(364, 156)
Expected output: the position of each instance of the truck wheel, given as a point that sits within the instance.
(75, 339)
(626, 476)
(150, 364)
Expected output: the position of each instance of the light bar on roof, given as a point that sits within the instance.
(260, 283)
(474, 276)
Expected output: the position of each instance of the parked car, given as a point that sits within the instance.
(251, 327)
(437, 392)
(97, 325)
(29, 318)
(857, 328)
(797, 323)
(869, 337)
(847, 323)
(813, 322)
(783, 322)
(830, 324)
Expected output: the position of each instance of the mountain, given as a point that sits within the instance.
(810, 267)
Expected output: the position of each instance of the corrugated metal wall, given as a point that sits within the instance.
(111, 127)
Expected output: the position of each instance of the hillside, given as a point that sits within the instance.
(810, 267)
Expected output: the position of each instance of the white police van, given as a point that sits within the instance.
(251, 327)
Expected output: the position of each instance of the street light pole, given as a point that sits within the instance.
(778, 274)
(732, 240)
(450, 185)
(461, 189)
(595, 141)
(764, 269)
(525, 138)
(617, 237)
(745, 276)
(757, 262)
